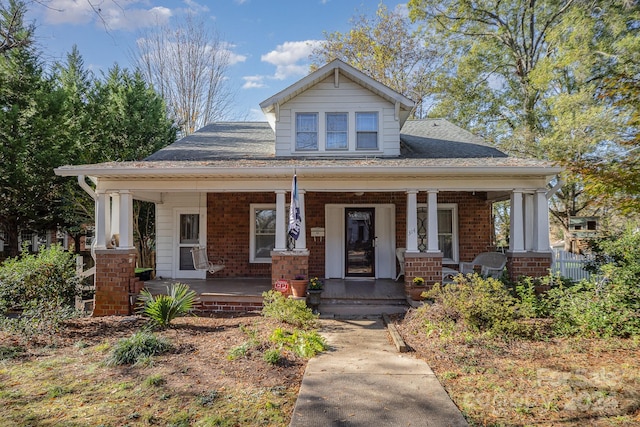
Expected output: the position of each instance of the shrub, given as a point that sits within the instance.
(288, 310)
(272, 356)
(137, 349)
(303, 343)
(30, 279)
(162, 309)
(483, 304)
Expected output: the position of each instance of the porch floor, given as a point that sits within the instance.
(340, 296)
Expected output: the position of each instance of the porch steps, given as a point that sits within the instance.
(343, 307)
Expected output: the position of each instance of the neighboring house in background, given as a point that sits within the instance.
(369, 180)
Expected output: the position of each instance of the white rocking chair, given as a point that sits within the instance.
(201, 261)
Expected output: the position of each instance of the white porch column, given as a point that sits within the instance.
(115, 214)
(542, 243)
(301, 243)
(516, 240)
(126, 219)
(412, 221)
(529, 209)
(281, 241)
(432, 218)
(101, 219)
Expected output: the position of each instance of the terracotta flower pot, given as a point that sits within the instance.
(298, 287)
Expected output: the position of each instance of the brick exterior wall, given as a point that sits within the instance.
(531, 264)
(228, 231)
(115, 282)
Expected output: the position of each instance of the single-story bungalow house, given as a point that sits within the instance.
(369, 181)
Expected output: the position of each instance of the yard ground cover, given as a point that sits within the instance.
(198, 383)
(554, 382)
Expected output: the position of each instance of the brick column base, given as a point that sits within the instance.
(532, 264)
(288, 264)
(425, 265)
(115, 282)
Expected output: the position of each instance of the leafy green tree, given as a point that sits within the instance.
(14, 33)
(384, 48)
(30, 119)
(528, 76)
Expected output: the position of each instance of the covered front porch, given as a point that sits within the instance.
(340, 297)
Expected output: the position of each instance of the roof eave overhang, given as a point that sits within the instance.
(126, 173)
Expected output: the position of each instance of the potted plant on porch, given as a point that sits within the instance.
(299, 285)
(314, 292)
(417, 288)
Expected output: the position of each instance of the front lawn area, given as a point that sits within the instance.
(204, 380)
(519, 382)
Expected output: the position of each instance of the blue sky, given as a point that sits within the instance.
(269, 41)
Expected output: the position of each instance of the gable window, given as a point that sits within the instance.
(447, 231)
(367, 131)
(337, 131)
(306, 131)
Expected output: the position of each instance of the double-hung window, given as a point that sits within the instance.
(367, 131)
(447, 231)
(337, 130)
(306, 131)
(263, 232)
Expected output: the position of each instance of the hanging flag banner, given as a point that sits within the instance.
(295, 220)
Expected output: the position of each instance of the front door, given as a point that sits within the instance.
(360, 259)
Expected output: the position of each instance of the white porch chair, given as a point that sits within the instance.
(201, 261)
(490, 263)
(400, 255)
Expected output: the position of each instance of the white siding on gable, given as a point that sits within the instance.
(349, 98)
(166, 233)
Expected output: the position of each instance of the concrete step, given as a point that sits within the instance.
(345, 309)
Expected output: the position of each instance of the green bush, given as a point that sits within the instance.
(303, 343)
(483, 304)
(30, 279)
(609, 304)
(162, 309)
(288, 310)
(137, 349)
(272, 356)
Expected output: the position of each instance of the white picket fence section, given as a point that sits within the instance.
(570, 265)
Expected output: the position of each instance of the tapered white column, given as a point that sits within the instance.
(432, 220)
(542, 243)
(516, 238)
(301, 243)
(115, 214)
(281, 241)
(412, 221)
(102, 209)
(126, 219)
(529, 221)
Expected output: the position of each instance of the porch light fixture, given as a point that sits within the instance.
(359, 193)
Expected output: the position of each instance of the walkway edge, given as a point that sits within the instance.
(401, 346)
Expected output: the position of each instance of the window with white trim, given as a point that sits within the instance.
(337, 131)
(447, 230)
(367, 131)
(306, 131)
(263, 233)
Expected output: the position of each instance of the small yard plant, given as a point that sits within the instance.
(303, 343)
(137, 349)
(288, 310)
(163, 309)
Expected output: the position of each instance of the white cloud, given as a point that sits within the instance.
(195, 6)
(287, 56)
(253, 82)
(109, 13)
(235, 58)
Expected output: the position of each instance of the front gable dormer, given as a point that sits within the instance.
(337, 111)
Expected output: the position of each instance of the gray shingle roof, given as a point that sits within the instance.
(441, 139)
(219, 141)
(420, 139)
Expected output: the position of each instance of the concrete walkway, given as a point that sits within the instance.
(363, 381)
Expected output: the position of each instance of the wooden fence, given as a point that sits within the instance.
(570, 265)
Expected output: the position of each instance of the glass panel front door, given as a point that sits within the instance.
(189, 238)
(360, 242)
